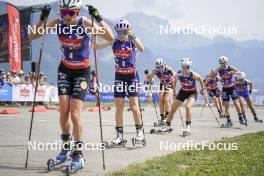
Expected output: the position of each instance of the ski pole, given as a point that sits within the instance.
(202, 110)
(181, 117)
(35, 93)
(99, 97)
(211, 110)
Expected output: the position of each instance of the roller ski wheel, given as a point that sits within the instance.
(138, 142)
(50, 164)
(186, 133)
(68, 171)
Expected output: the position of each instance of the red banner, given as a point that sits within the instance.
(14, 38)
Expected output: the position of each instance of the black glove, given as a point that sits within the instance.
(146, 72)
(45, 11)
(94, 13)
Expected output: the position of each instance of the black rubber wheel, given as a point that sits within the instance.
(50, 164)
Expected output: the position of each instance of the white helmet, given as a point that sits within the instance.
(223, 60)
(70, 4)
(122, 25)
(159, 62)
(186, 62)
(241, 76)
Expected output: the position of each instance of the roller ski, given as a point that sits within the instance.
(63, 156)
(187, 131)
(228, 124)
(140, 138)
(257, 120)
(76, 164)
(164, 128)
(118, 141)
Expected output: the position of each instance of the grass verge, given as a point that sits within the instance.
(247, 160)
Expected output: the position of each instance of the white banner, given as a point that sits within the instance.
(25, 92)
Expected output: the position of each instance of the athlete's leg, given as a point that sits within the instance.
(251, 106)
(64, 114)
(241, 104)
(175, 106)
(167, 97)
(120, 103)
(217, 103)
(133, 103)
(161, 103)
(75, 111)
(220, 103)
(189, 104)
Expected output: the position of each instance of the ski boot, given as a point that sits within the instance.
(187, 131)
(245, 117)
(78, 160)
(118, 141)
(221, 115)
(257, 120)
(242, 121)
(140, 138)
(164, 128)
(63, 155)
(228, 124)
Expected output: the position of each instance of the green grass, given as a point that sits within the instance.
(247, 160)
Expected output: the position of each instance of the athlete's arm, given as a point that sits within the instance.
(199, 79)
(35, 35)
(235, 71)
(102, 44)
(151, 75)
(250, 86)
(174, 86)
(136, 41)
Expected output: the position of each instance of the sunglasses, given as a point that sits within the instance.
(159, 67)
(65, 12)
(186, 67)
(121, 33)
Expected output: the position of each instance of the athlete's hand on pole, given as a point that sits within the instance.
(94, 13)
(131, 34)
(45, 11)
(232, 72)
(202, 91)
(146, 72)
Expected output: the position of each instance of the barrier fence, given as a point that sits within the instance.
(49, 93)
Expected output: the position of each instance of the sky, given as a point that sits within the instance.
(245, 16)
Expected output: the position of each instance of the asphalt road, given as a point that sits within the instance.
(14, 133)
